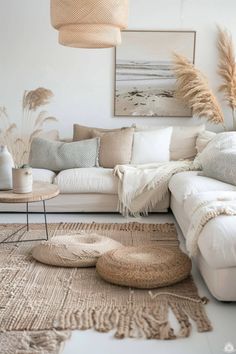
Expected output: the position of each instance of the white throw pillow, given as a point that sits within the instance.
(151, 146)
(183, 140)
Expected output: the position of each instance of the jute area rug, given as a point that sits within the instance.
(36, 297)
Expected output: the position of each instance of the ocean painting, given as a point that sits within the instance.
(145, 82)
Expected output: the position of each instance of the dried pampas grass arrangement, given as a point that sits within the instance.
(18, 138)
(192, 87)
(227, 69)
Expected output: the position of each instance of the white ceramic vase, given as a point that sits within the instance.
(6, 165)
(22, 180)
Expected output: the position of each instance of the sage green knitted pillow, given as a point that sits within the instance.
(58, 156)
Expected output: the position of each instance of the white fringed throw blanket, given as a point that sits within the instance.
(202, 208)
(141, 187)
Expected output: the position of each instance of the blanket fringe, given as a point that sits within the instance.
(142, 187)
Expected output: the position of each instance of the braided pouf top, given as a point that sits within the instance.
(144, 267)
(79, 250)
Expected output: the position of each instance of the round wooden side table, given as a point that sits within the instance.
(41, 192)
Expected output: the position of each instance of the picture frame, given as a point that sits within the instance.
(144, 81)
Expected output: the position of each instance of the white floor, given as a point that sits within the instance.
(223, 316)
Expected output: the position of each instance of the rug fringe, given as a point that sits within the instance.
(148, 322)
(46, 341)
(32, 342)
(131, 226)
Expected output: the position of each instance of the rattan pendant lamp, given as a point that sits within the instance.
(89, 23)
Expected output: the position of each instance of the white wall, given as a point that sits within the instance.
(82, 80)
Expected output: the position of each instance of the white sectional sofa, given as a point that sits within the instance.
(216, 256)
(95, 190)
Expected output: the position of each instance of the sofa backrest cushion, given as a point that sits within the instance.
(115, 147)
(58, 156)
(183, 141)
(81, 132)
(218, 159)
(151, 146)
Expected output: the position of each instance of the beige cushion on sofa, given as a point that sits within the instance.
(203, 139)
(87, 180)
(183, 141)
(115, 147)
(81, 132)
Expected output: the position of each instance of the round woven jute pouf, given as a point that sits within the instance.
(144, 267)
(74, 250)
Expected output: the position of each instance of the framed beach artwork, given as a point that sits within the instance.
(144, 79)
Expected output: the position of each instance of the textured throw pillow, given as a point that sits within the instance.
(58, 156)
(50, 135)
(82, 132)
(115, 147)
(218, 159)
(203, 139)
(183, 140)
(151, 146)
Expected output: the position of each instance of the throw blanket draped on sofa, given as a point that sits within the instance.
(141, 187)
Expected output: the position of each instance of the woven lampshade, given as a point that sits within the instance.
(89, 23)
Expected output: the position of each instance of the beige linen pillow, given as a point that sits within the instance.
(82, 132)
(203, 139)
(115, 147)
(183, 140)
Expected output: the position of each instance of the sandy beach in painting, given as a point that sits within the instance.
(146, 88)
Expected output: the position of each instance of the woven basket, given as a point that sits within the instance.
(144, 267)
(89, 23)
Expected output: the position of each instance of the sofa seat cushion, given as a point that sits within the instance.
(185, 184)
(87, 180)
(42, 175)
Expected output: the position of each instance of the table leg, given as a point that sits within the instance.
(27, 216)
(45, 219)
(26, 227)
(13, 234)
